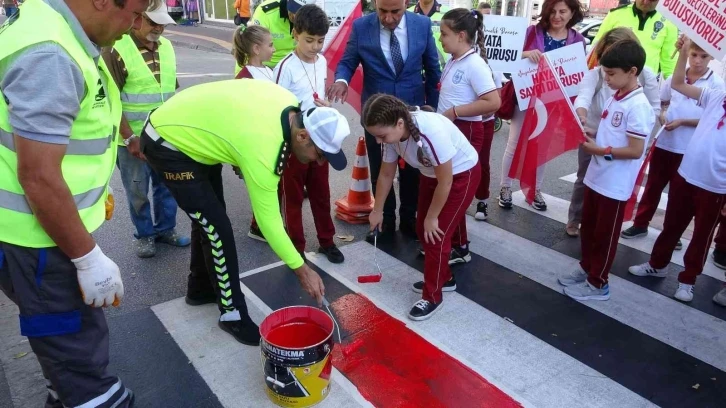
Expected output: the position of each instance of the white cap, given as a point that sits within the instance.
(294, 5)
(160, 16)
(328, 128)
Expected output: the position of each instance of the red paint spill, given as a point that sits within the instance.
(297, 335)
(394, 367)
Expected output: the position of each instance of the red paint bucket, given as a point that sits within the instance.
(296, 345)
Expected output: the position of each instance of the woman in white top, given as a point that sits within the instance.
(252, 47)
(450, 173)
(590, 102)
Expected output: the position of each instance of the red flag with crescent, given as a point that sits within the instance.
(550, 128)
(335, 52)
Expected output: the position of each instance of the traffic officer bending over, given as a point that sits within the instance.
(188, 139)
(657, 35)
(143, 65)
(59, 111)
(435, 11)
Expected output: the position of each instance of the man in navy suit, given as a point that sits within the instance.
(394, 46)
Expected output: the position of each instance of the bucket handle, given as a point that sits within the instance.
(335, 322)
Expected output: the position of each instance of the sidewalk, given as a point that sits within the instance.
(206, 37)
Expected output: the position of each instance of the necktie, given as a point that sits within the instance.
(396, 53)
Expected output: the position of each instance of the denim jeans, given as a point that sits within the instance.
(136, 175)
(9, 11)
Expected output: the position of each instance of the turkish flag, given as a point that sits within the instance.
(630, 205)
(550, 128)
(335, 52)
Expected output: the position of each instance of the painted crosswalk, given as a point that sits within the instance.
(508, 321)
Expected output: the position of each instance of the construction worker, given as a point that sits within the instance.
(435, 11)
(657, 35)
(143, 65)
(277, 16)
(59, 113)
(187, 140)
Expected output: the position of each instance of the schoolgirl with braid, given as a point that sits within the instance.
(468, 93)
(450, 173)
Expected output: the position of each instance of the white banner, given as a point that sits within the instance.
(569, 63)
(504, 40)
(703, 21)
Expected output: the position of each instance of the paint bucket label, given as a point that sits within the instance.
(296, 359)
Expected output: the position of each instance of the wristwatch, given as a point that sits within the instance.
(608, 153)
(129, 139)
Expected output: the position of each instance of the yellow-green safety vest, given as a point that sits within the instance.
(91, 152)
(142, 93)
(436, 28)
(267, 15)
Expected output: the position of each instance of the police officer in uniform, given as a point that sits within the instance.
(657, 35)
(59, 114)
(435, 11)
(186, 141)
(278, 16)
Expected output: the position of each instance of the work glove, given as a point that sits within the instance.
(99, 278)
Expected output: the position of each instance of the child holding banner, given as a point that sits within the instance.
(697, 192)
(622, 135)
(450, 172)
(591, 98)
(467, 94)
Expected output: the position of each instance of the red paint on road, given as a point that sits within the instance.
(394, 367)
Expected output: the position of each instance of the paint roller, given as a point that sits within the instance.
(346, 349)
(373, 278)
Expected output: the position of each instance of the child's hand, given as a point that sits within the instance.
(432, 232)
(583, 120)
(590, 147)
(682, 42)
(590, 132)
(662, 119)
(674, 124)
(449, 113)
(321, 103)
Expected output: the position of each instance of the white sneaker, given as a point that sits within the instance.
(684, 293)
(647, 270)
(573, 278)
(720, 297)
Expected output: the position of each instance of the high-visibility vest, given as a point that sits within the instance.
(268, 15)
(91, 151)
(436, 29)
(142, 93)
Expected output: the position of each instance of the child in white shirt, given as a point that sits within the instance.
(450, 172)
(618, 152)
(252, 47)
(697, 192)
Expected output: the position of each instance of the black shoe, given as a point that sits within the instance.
(198, 300)
(449, 286)
(719, 259)
(459, 255)
(245, 332)
(634, 232)
(333, 254)
(256, 234)
(482, 211)
(679, 245)
(387, 234)
(423, 309)
(408, 228)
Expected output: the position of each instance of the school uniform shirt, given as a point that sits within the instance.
(704, 163)
(463, 81)
(498, 79)
(441, 141)
(302, 78)
(262, 73)
(683, 107)
(628, 115)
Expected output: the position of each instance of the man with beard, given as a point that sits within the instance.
(143, 65)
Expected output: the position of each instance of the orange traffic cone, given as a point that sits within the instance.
(356, 207)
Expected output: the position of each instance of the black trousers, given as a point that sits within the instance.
(197, 189)
(407, 183)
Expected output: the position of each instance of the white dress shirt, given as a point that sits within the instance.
(402, 36)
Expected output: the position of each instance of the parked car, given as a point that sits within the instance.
(589, 28)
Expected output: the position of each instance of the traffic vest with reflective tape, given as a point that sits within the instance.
(436, 29)
(142, 93)
(267, 14)
(91, 151)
